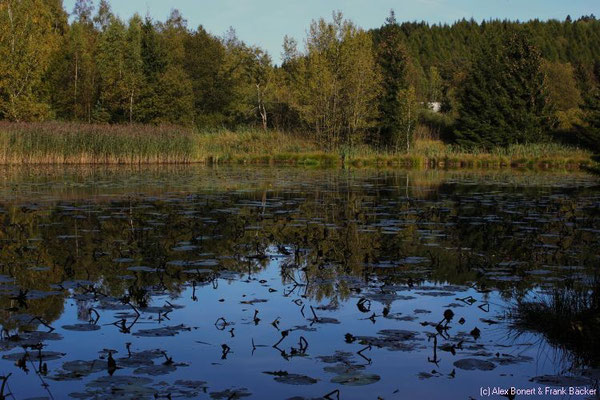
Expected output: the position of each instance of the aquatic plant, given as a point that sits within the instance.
(72, 143)
(569, 317)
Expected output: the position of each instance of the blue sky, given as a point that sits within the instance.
(265, 22)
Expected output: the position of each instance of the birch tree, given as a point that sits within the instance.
(336, 82)
(406, 118)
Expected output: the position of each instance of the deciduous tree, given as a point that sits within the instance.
(29, 35)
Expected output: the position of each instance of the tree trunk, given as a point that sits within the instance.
(76, 81)
(263, 115)
(261, 107)
(12, 28)
(131, 107)
(408, 127)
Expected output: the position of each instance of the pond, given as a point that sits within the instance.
(288, 283)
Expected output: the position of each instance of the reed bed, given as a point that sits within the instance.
(71, 143)
(435, 153)
(248, 146)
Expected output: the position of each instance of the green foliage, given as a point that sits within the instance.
(29, 35)
(133, 76)
(211, 84)
(563, 94)
(111, 69)
(439, 125)
(503, 98)
(562, 86)
(250, 74)
(434, 92)
(154, 56)
(174, 97)
(334, 84)
(588, 133)
(392, 59)
(450, 47)
(72, 76)
(406, 117)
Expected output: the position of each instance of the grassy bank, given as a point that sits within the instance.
(66, 143)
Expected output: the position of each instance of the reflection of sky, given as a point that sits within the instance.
(398, 370)
(265, 22)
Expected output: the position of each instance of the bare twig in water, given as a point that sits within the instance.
(94, 320)
(4, 383)
(50, 329)
(314, 314)
(360, 353)
(226, 350)
(221, 323)
(284, 334)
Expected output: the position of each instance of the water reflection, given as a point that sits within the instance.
(285, 283)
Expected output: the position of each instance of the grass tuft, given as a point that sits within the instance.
(568, 317)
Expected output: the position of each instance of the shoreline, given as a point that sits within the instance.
(335, 161)
(58, 143)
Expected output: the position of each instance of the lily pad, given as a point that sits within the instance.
(181, 388)
(117, 387)
(156, 370)
(344, 369)
(80, 366)
(292, 379)
(35, 355)
(356, 379)
(230, 394)
(338, 356)
(163, 331)
(28, 339)
(391, 339)
(75, 370)
(142, 268)
(82, 327)
(507, 359)
(139, 359)
(471, 364)
(191, 384)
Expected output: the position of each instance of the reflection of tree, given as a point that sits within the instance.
(326, 234)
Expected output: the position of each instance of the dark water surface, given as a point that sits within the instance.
(280, 283)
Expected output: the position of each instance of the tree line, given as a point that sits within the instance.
(495, 83)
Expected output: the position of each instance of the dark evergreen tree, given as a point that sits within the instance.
(589, 134)
(392, 59)
(502, 100)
